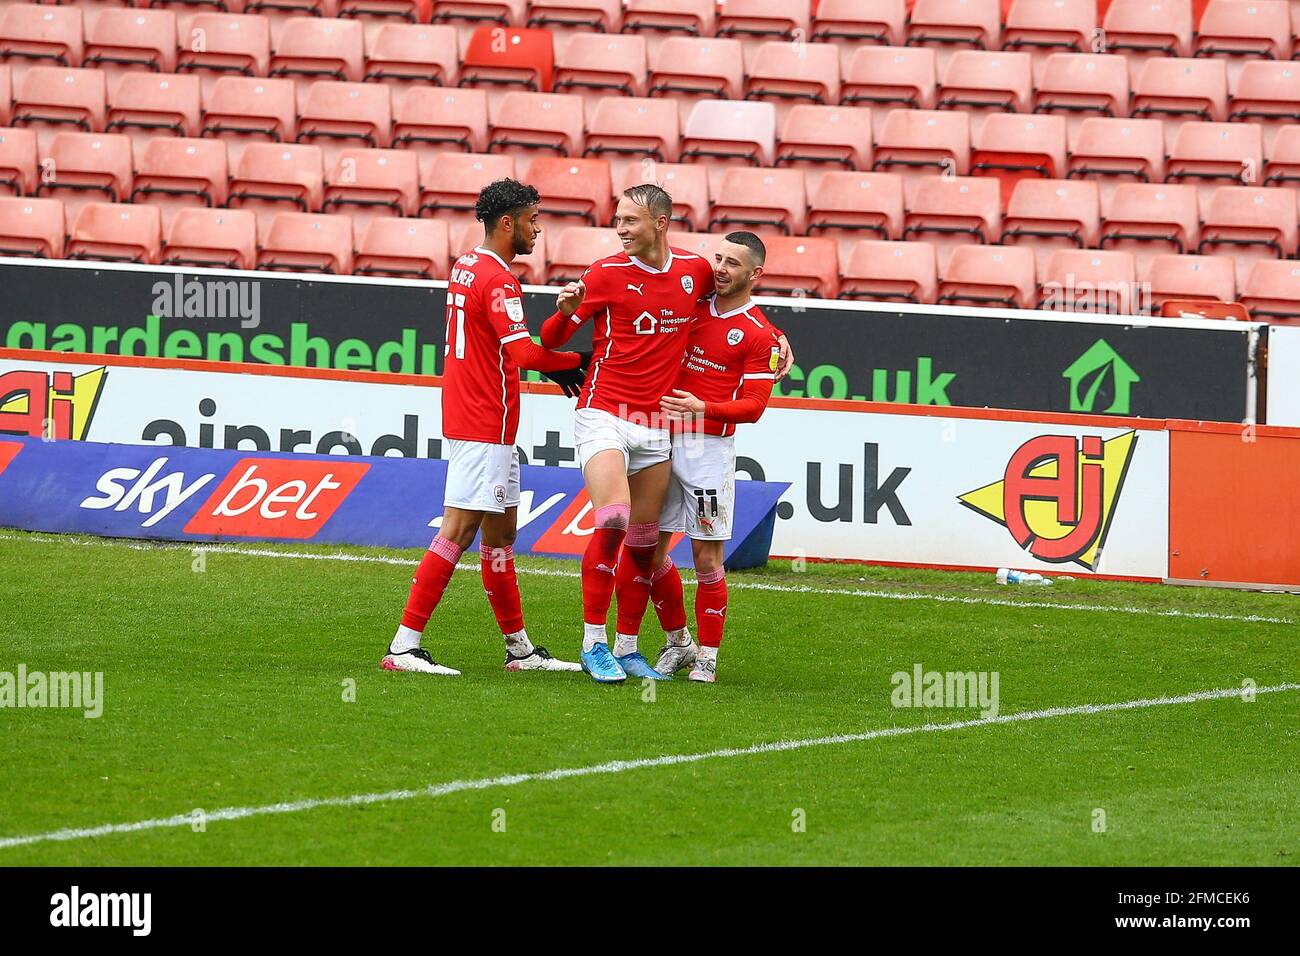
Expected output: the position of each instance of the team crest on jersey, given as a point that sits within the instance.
(734, 336)
(499, 493)
(688, 285)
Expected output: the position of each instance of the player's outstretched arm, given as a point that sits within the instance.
(748, 408)
(569, 315)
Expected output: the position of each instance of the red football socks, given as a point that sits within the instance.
(634, 575)
(600, 562)
(430, 581)
(502, 586)
(710, 607)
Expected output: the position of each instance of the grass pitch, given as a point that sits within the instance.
(227, 687)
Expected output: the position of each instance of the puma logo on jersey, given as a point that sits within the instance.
(637, 579)
(659, 605)
(638, 289)
(720, 612)
(605, 567)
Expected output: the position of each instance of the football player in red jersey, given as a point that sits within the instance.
(640, 302)
(732, 358)
(487, 344)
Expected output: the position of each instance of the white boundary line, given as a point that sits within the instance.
(731, 584)
(617, 766)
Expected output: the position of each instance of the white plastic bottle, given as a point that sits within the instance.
(1007, 576)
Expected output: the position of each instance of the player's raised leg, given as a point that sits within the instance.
(647, 488)
(497, 566)
(710, 607)
(606, 476)
(427, 587)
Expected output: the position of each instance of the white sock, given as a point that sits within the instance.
(518, 644)
(707, 654)
(406, 639)
(593, 634)
(680, 637)
(624, 644)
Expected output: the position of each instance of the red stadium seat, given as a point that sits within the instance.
(451, 181)
(225, 43)
(974, 23)
(1228, 152)
(796, 71)
(1197, 89)
(1191, 277)
(31, 227)
(989, 276)
(1270, 292)
(691, 17)
(506, 57)
(602, 63)
(1249, 223)
(42, 34)
(1255, 28)
(89, 162)
(686, 66)
(861, 21)
(601, 16)
(687, 184)
(578, 188)
(285, 8)
(1162, 27)
(853, 203)
(404, 248)
(131, 38)
(115, 232)
(963, 206)
(578, 248)
(1033, 25)
(798, 266)
(924, 140)
(760, 200)
(18, 162)
(1282, 158)
(531, 122)
(441, 119)
(252, 107)
(155, 103)
(1083, 83)
(174, 173)
(1266, 91)
(720, 131)
(1051, 214)
(825, 135)
(211, 238)
(628, 126)
(303, 242)
(1159, 217)
(1204, 309)
(316, 48)
(6, 93)
(893, 75)
(1090, 281)
(767, 19)
(54, 95)
(346, 113)
(276, 177)
(702, 244)
(890, 271)
(976, 79)
(415, 53)
(1131, 148)
(412, 11)
(1012, 146)
(478, 11)
(381, 181)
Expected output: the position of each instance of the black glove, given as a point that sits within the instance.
(570, 380)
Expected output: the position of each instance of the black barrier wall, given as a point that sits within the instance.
(851, 352)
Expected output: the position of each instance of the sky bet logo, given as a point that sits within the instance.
(1058, 495)
(53, 405)
(258, 498)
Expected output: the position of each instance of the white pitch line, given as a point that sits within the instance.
(731, 584)
(618, 766)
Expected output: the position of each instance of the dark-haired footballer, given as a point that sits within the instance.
(487, 344)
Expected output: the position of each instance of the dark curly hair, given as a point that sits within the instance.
(503, 198)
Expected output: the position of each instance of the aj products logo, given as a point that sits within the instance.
(52, 405)
(1101, 366)
(1058, 495)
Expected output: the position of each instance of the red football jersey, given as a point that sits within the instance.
(480, 384)
(640, 322)
(728, 354)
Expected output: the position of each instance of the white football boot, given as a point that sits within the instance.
(416, 660)
(539, 660)
(673, 657)
(705, 670)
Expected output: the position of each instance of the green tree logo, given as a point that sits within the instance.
(1096, 367)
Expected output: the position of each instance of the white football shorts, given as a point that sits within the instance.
(481, 476)
(595, 431)
(702, 491)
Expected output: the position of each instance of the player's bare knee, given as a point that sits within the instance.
(708, 556)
